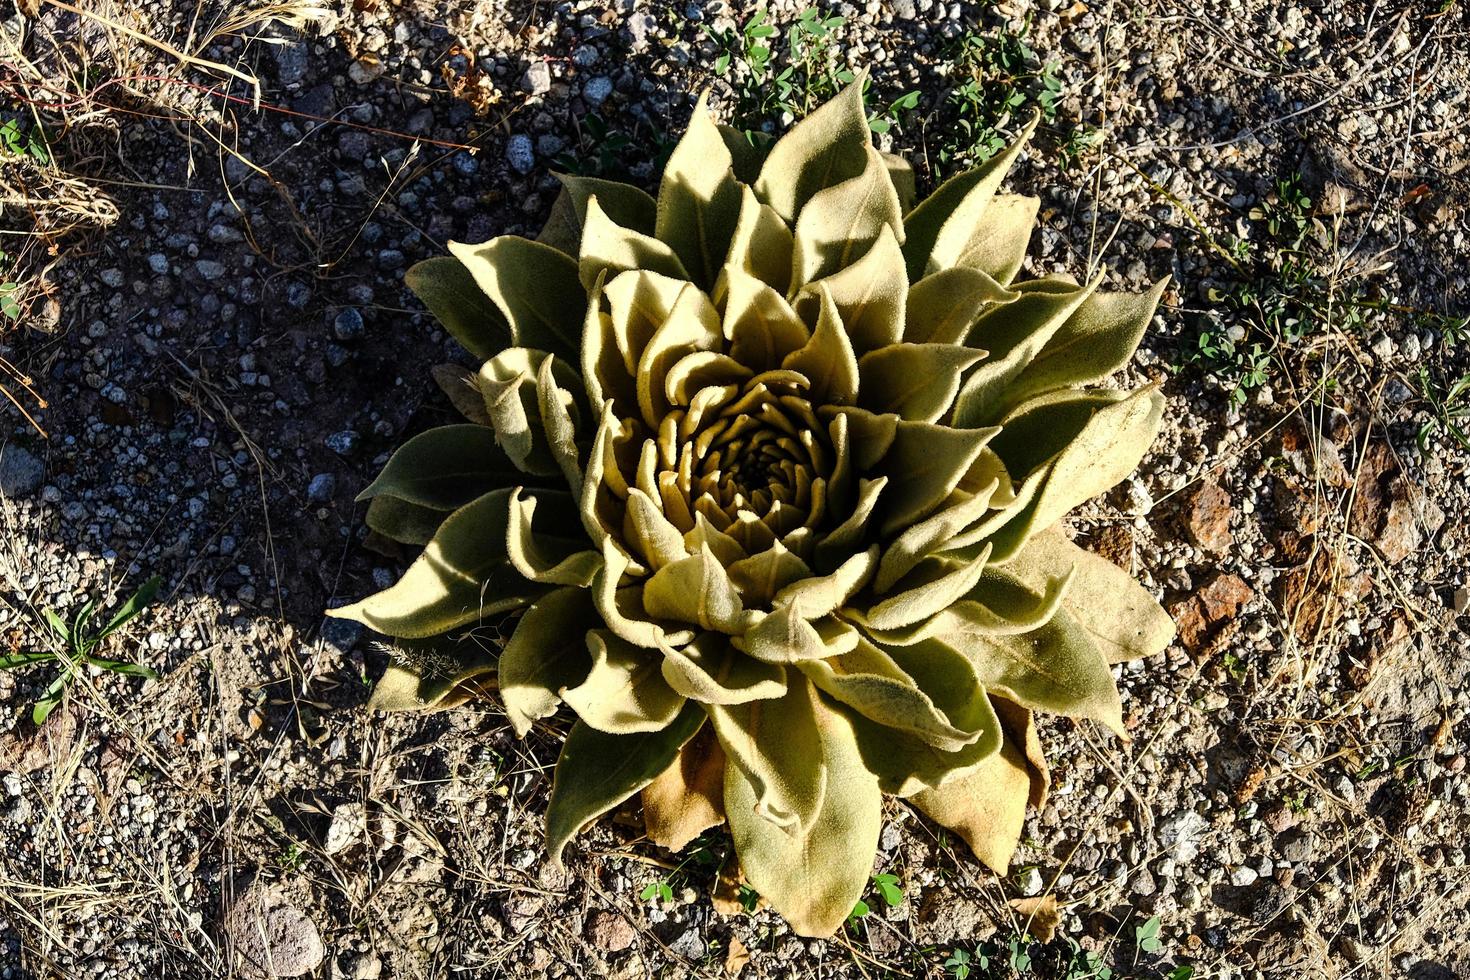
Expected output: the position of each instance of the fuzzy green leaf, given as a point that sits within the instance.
(451, 293)
(463, 575)
(941, 229)
(842, 223)
(1122, 618)
(917, 382)
(546, 654)
(943, 307)
(535, 287)
(597, 771)
(814, 874)
(869, 294)
(711, 671)
(445, 468)
(699, 198)
(824, 149)
(608, 247)
(401, 521)
(624, 692)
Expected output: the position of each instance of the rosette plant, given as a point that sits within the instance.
(765, 474)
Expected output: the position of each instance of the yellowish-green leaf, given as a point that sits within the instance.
(869, 294)
(1054, 668)
(611, 248)
(451, 293)
(941, 228)
(748, 150)
(1014, 334)
(930, 536)
(765, 573)
(901, 173)
(462, 576)
(512, 400)
(1123, 619)
(814, 875)
(622, 608)
(986, 807)
(924, 464)
(459, 385)
(777, 745)
(785, 637)
(1105, 451)
(547, 558)
(905, 764)
(711, 671)
(625, 691)
(917, 382)
(597, 771)
(997, 246)
(535, 287)
(841, 223)
(557, 406)
(828, 359)
(761, 245)
(943, 307)
(872, 683)
(1097, 339)
(545, 655)
(761, 326)
(693, 324)
(931, 587)
(695, 590)
(824, 149)
(699, 198)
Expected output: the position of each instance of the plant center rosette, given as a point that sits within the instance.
(767, 472)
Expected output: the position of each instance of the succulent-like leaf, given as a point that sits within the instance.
(1122, 618)
(842, 222)
(535, 288)
(777, 745)
(869, 295)
(546, 654)
(711, 671)
(824, 149)
(950, 222)
(699, 198)
(623, 203)
(916, 382)
(625, 691)
(454, 296)
(986, 806)
(597, 771)
(609, 248)
(463, 575)
(816, 873)
(398, 520)
(461, 667)
(444, 468)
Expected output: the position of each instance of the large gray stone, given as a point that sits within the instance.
(21, 472)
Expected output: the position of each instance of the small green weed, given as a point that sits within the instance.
(73, 644)
(1276, 297)
(22, 142)
(769, 80)
(657, 891)
(1019, 956)
(603, 150)
(999, 77)
(887, 887)
(1449, 403)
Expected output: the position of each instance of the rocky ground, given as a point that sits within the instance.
(226, 365)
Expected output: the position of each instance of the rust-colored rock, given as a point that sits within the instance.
(1313, 595)
(1314, 457)
(1199, 615)
(1115, 543)
(1389, 511)
(1207, 518)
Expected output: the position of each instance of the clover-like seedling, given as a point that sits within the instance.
(769, 472)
